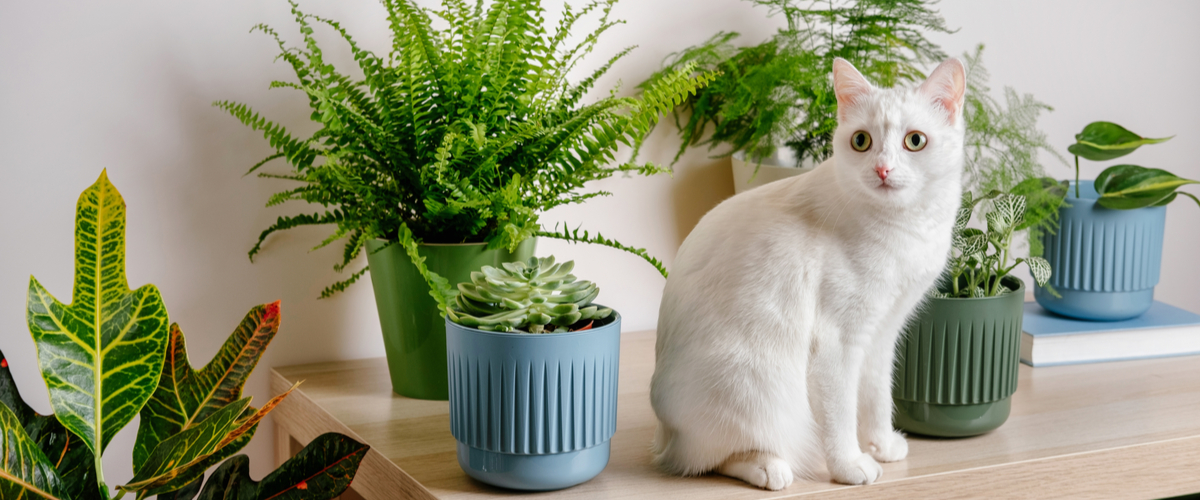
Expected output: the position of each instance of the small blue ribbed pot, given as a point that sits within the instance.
(533, 412)
(1105, 262)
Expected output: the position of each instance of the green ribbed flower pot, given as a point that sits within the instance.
(956, 365)
(414, 333)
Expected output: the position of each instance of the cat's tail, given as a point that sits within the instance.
(668, 456)
(678, 454)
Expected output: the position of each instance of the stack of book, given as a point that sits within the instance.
(1162, 331)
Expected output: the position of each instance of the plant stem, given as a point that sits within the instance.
(100, 475)
(1003, 263)
(120, 493)
(1077, 175)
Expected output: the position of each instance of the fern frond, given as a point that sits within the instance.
(573, 236)
(333, 289)
(464, 133)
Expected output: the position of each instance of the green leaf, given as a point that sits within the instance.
(962, 218)
(1100, 141)
(970, 241)
(1011, 209)
(185, 493)
(180, 459)
(321, 471)
(70, 457)
(102, 355)
(231, 481)
(185, 396)
(1040, 269)
(24, 469)
(1127, 187)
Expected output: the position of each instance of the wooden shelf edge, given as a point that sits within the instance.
(1151, 470)
(304, 420)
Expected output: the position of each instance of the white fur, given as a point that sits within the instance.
(779, 321)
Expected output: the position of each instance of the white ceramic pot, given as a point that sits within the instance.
(779, 166)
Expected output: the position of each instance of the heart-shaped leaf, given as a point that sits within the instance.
(70, 457)
(185, 396)
(1125, 187)
(25, 472)
(1100, 141)
(101, 356)
(180, 459)
(322, 470)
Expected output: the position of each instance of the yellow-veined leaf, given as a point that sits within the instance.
(101, 356)
(186, 396)
(25, 472)
(180, 459)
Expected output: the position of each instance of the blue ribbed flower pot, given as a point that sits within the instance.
(533, 412)
(1106, 262)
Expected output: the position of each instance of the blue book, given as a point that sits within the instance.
(1162, 331)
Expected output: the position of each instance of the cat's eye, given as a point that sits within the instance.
(915, 141)
(860, 141)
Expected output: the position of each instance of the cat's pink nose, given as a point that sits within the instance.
(883, 172)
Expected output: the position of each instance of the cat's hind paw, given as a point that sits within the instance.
(892, 447)
(759, 469)
(860, 470)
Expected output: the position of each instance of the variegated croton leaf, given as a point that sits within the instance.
(185, 396)
(180, 459)
(322, 470)
(101, 356)
(25, 472)
(71, 459)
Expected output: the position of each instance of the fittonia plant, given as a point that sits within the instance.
(981, 259)
(538, 297)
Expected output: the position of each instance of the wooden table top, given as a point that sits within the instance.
(1111, 430)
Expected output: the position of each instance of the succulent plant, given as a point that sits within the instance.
(538, 297)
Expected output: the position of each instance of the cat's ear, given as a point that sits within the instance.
(947, 87)
(849, 85)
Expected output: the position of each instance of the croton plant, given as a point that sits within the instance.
(110, 355)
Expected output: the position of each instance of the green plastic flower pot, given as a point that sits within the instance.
(414, 334)
(956, 364)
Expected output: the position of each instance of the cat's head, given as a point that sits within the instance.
(898, 146)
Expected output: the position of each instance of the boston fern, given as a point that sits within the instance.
(463, 134)
(779, 92)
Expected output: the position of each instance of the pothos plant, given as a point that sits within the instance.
(110, 355)
(460, 134)
(981, 258)
(1125, 187)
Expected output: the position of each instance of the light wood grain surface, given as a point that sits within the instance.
(1113, 430)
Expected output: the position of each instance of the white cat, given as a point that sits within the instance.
(778, 325)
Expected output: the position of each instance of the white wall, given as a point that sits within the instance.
(126, 85)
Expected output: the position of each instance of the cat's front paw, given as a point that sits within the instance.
(759, 469)
(892, 447)
(859, 470)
